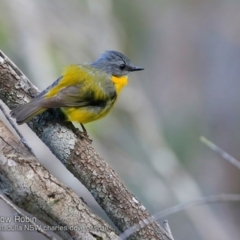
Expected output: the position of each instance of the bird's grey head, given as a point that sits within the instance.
(115, 63)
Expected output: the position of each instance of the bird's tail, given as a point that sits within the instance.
(26, 112)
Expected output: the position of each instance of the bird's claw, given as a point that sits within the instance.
(83, 135)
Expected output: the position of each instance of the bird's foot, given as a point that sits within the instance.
(83, 135)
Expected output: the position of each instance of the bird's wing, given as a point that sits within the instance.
(79, 95)
(72, 96)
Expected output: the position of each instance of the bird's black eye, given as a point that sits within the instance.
(122, 66)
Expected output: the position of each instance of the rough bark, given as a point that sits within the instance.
(31, 187)
(79, 156)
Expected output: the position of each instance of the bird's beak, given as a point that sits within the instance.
(135, 68)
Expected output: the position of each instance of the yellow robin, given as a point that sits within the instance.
(85, 92)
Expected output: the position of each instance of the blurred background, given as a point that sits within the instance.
(190, 87)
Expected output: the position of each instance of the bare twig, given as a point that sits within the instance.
(37, 228)
(178, 208)
(200, 201)
(23, 140)
(220, 151)
(167, 229)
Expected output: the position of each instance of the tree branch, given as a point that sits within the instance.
(78, 156)
(31, 187)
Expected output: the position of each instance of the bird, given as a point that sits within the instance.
(84, 92)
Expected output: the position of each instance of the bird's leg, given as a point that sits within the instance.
(84, 129)
(85, 134)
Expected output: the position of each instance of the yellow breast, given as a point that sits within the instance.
(119, 83)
